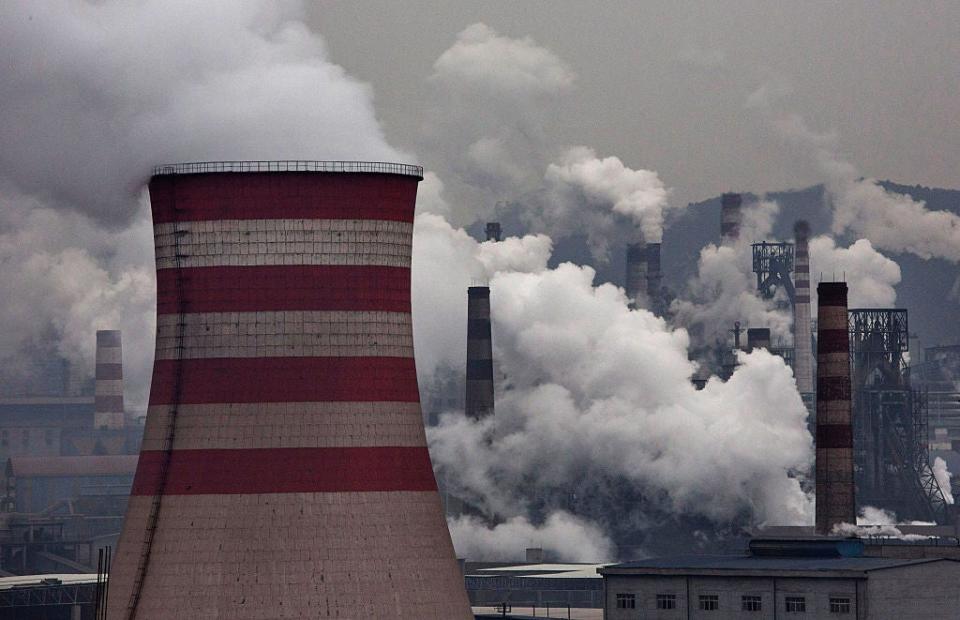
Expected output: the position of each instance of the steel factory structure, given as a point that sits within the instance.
(890, 420)
(284, 470)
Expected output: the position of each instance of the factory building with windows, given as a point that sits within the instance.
(814, 578)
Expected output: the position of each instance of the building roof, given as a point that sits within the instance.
(72, 466)
(24, 581)
(710, 564)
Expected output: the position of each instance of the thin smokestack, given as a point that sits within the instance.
(654, 276)
(731, 215)
(108, 389)
(834, 466)
(635, 282)
(479, 396)
(803, 349)
(758, 338)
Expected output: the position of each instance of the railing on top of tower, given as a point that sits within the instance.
(290, 165)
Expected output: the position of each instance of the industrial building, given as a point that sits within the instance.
(284, 468)
(820, 578)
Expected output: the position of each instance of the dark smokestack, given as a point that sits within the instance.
(834, 466)
(636, 282)
(493, 231)
(758, 338)
(479, 396)
(108, 386)
(654, 276)
(730, 218)
(803, 349)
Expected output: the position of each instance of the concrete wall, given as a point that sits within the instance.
(817, 593)
(923, 591)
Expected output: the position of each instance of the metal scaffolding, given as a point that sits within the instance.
(891, 457)
(773, 263)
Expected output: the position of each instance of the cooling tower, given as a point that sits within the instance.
(834, 465)
(731, 216)
(479, 396)
(803, 348)
(758, 338)
(284, 471)
(108, 382)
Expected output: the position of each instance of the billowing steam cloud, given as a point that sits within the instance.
(585, 183)
(562, 535)
(724, 289)
(600, 408)
(96, 93)
(872, 275)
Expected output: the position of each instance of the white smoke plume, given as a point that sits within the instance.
(96, 93)
(861, 206)
(563, 537)
(872, 277)
(873, 521)
(943, 476)
(485, 135)
(724, 288)
(587, 188)
(600, 404)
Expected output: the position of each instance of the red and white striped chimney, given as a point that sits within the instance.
(108, 381)
(284, 469)
(803, 347)
(834, 464)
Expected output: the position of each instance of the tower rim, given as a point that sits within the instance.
(290, 165)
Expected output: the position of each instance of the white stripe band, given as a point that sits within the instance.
(287, 425)
(283, 242)
(284, 334)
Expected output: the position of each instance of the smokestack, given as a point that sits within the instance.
(758, 338)
(654, 277)
(636, 282)
(108, 386)
(730, 218)
(284, 458)
(479, 396)
(493, 231)
(834, 466)
(803, 348)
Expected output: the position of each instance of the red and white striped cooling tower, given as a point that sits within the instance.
(284, 471)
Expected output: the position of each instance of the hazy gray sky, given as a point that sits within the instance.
(663, 84)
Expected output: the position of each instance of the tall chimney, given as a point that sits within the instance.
(108, 385)
(636, 280)
(479, 396)
(803, 348)
(493, 231)
(731, 216)
(284, 470)
(654, 277)
(834, 465)
(758, 338)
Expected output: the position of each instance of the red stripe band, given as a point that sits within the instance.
(284, 379)
(285, 470)
(283, 287)
(256, 196)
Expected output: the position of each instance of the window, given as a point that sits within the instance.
(839, 605)
(751, 603)
(796, 604)
(709, 602)
(666, 601)
(626, 601)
